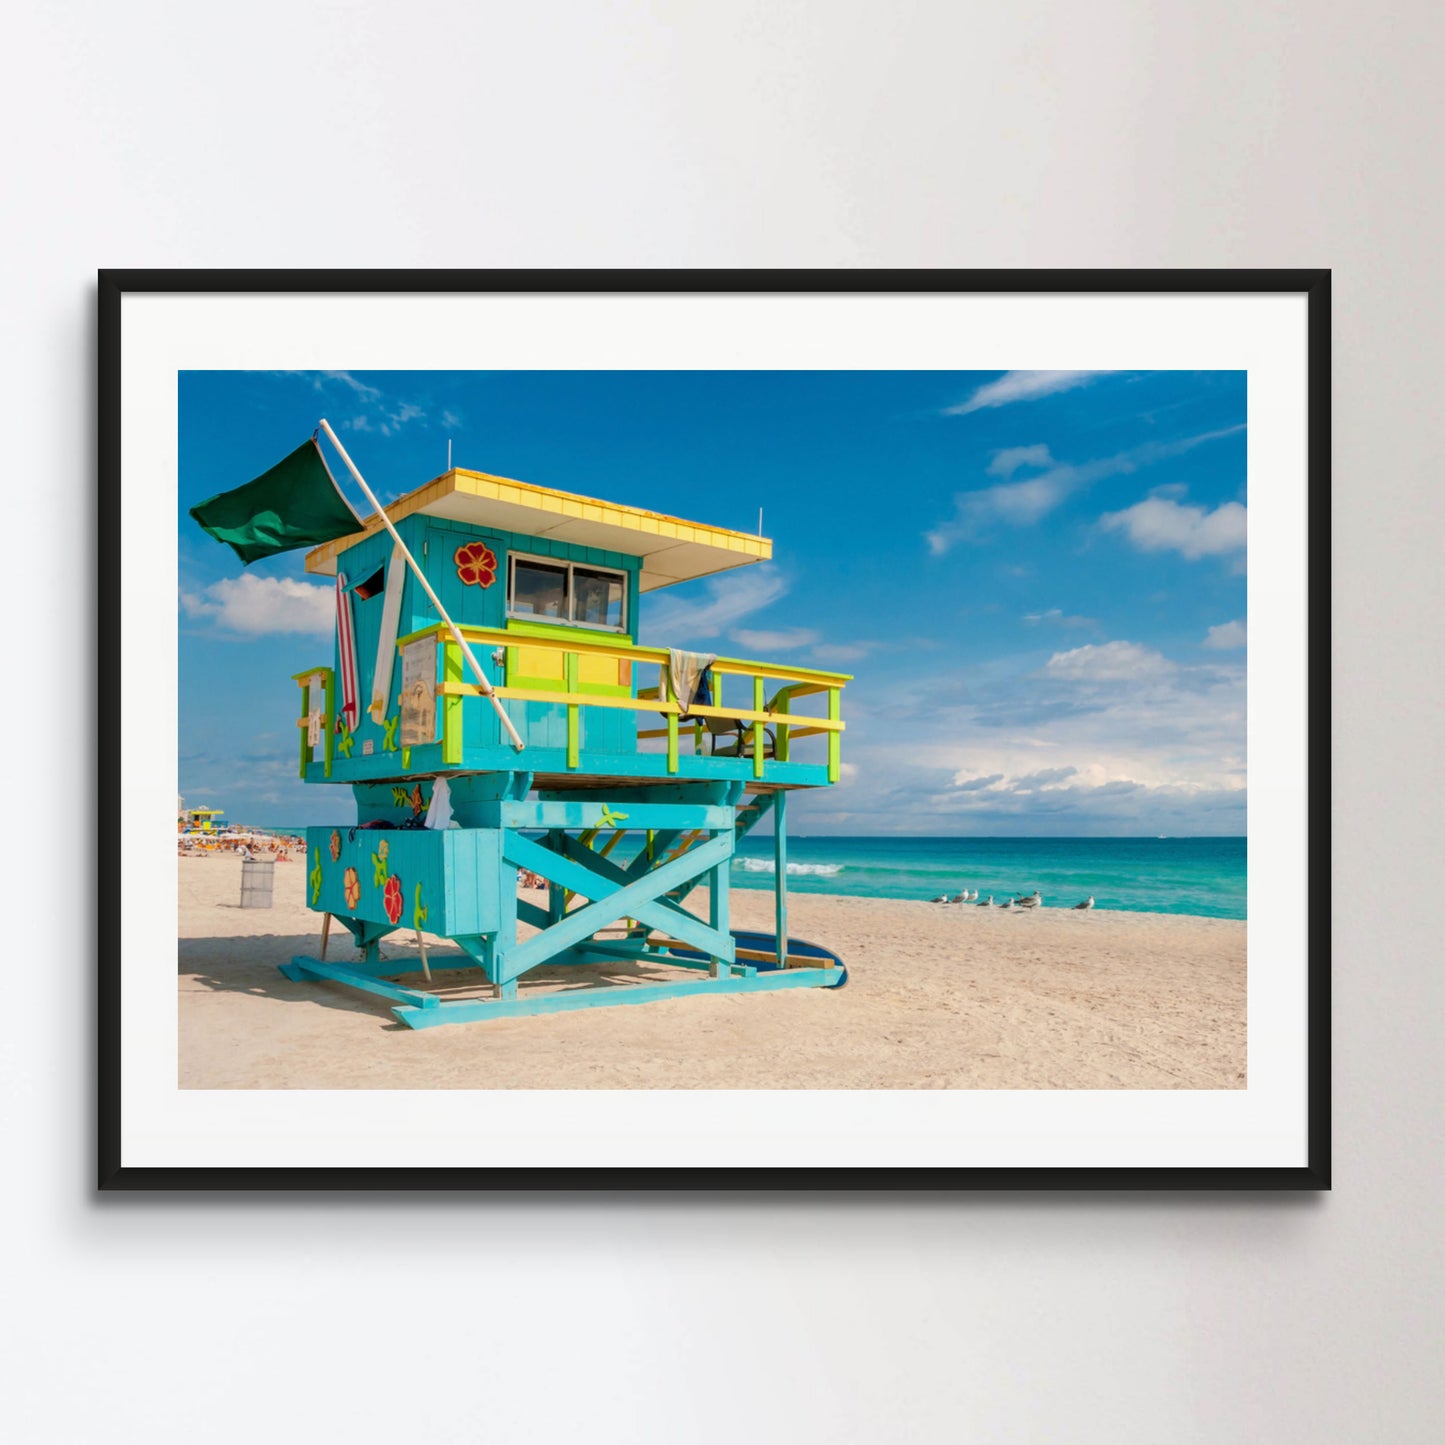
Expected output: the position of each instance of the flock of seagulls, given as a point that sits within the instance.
(1024, 900)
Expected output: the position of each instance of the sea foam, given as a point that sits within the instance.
(767, 865)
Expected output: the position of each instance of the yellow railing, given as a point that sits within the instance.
(775, 713)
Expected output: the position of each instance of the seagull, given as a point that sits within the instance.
(960, 897)
(987, 903)
(1032, 901)
(1087, 903)
(942, 898)
(973, 897)
(1007, 903)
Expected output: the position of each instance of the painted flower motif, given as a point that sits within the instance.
(418, 803)
(314, 878)
(391, 899)
(335, 845)
(351, 887)
(476, 564)
(383, 848)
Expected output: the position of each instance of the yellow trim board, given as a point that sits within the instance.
(672, 550)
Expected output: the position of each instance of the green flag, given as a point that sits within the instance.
(295, 504)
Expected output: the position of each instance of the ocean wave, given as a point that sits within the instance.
(766, 865)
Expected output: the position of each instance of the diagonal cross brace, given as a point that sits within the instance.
(633, 900)
(677, 916)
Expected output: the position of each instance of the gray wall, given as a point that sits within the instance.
(1039, 133)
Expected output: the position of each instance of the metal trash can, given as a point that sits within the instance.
(257, 876)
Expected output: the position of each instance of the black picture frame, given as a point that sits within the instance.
(1313, 285)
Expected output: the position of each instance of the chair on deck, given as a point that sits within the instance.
(731, 737)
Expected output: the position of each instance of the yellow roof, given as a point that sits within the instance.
(671, 550)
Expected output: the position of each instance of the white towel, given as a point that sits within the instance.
(687, 670)
(439, 814)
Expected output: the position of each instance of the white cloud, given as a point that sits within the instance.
(784, 640)
(1022, 386)
(1227, 636)
(1109, 662)
(842, 651)
(1115, 738)
(1159, 524)
(257, 606)
(1006, 462)
(380, 412)
(725, 601)
(1058, 618)
(365, 392)
(1024, 503)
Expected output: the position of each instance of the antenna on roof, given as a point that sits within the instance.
(449, 454)
(760, 521)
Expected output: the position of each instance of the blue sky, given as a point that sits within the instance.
(1037, 578)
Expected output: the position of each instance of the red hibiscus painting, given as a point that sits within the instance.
(476, 564)
(391, 898)
(335, 845)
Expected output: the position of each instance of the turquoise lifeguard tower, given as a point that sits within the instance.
(634, 772)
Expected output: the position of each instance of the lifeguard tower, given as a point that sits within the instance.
(639, 770)
(200, 820)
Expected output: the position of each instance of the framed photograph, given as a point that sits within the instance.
(714, 730)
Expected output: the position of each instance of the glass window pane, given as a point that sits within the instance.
(597, 597)
(538, 590)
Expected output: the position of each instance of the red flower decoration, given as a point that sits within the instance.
(476, 564)
(335, 845)
(391, 898)
(418, 803)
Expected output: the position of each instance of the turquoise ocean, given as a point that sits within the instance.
(1203, 876)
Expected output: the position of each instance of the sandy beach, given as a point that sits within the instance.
(939, 997)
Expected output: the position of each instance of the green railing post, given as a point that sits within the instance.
(782, 749)
(451, 706)
(757, 728)
(669, 694)
(574, 716)
(835, 751)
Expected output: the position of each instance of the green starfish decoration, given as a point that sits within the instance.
(378, 870)
(388, 743)
(344, 745)
(611, 819)
(400, 796)
(314, 878)
(418, 913)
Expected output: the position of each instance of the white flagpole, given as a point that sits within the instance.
(482, 682)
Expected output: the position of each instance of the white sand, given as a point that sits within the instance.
(938, 997)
